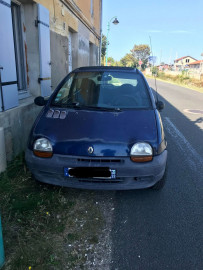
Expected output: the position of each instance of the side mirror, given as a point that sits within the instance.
(40, 101)
(160, 105)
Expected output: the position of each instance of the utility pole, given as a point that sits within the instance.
(201, 67)
(160, 56)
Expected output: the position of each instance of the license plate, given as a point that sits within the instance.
(85, 172)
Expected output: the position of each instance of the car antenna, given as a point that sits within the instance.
(157, 99)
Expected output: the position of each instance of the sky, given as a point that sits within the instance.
(175, 27)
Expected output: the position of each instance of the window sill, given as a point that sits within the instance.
(22, 103)
(26, 101)
(23, 94)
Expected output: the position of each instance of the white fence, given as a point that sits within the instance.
(191, 73)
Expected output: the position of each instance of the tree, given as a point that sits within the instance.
(129, 60)
(103, 48)
(111, 61)
(141, 52)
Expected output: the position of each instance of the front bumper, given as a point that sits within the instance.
(129, 175)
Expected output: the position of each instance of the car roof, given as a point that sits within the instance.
(106, 68)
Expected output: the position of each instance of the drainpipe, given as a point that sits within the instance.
(1, 247)
(3, 151)
(100, 45)
(1, 91)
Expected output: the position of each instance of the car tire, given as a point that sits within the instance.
(160, 184)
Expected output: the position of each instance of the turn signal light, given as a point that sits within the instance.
(141, 158)
(43, 154)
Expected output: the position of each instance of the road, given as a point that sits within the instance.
(155, 230)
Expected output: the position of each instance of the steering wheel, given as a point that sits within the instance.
(131, 101)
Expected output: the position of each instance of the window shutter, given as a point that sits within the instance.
(70, 61)
(44, 50)
(8, 84)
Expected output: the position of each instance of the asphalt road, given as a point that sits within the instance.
(155, 230)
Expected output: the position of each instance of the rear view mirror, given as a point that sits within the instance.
(160, 105)
(105, 78)
(40, 101)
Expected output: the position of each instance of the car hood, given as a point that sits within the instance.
(109, 133)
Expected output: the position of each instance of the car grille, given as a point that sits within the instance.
(93, 160)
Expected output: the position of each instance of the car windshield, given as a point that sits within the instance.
(103, 90)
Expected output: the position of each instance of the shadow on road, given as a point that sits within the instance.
(163, 229)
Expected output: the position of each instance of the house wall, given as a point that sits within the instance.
(183, 61)
(85, 7)
(83, 27)
(17, 123)
(67, 19)
(196, 66)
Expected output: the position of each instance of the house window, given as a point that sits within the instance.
(91, 56)
(19, 46)
(92, 8)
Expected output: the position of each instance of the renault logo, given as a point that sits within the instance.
(90, 150)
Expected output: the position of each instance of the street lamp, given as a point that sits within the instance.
(115, 21)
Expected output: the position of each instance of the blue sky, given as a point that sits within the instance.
(175, 27)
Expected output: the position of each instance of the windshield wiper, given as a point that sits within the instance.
(76, 105)
(65, 105)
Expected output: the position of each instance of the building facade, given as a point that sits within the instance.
(183, 62)
(197, 65)
(41, 41)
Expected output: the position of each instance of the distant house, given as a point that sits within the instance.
(196, 65)
(183, 62)
(164, 67)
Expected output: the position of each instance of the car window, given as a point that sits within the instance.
(63, 93)
(104, 90)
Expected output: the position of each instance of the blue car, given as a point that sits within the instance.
(100, 129)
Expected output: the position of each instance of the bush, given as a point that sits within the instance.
(155, 71)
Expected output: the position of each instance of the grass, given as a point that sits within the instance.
(46, 227)
(182, 80)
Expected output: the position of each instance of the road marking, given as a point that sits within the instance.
(193, 111)
(194, 160)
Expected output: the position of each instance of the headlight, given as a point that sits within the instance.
(141, 152)
(43, 148)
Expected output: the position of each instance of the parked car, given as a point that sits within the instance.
(100, 129)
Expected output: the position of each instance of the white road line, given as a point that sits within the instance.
(194, 160)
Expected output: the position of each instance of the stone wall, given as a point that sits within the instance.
(17, 123)
(59, 58)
